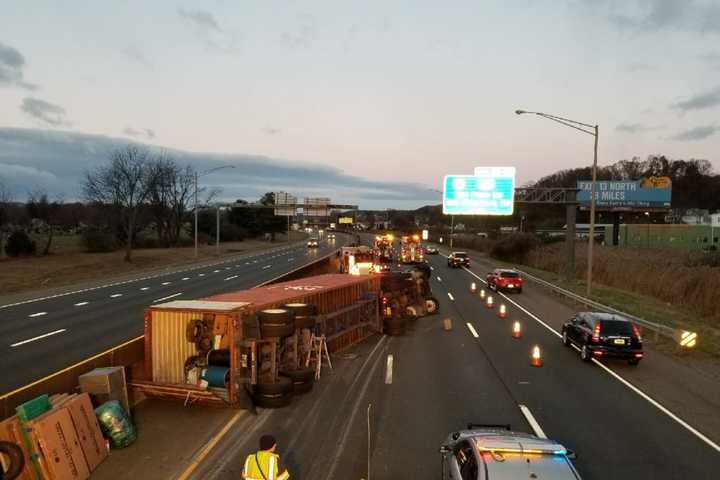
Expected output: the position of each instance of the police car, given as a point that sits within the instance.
(494, 452)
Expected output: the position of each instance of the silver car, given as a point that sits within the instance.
(494, 453)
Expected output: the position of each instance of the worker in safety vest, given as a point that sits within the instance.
(265, 464)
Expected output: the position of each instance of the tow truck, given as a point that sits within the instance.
(410, 249)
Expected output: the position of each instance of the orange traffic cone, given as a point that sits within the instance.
(516, 333)
(489, 303)
(473, 287)
(502, 311)
(536, 359)
(482, 294)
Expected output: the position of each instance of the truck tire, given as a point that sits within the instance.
(299, 375)
(272, 401)
(17, 461)
(302, 387)
(432, 306)
(282, 386)
(276, 322)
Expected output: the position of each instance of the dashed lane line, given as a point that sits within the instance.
(37, 314)
(81, 304)
(472, 330)
(168, 297)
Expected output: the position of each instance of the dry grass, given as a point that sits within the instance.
(37, 273)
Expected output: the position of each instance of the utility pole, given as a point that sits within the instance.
(593, 190)
(196, 214)
(217, 231)
(452, 230)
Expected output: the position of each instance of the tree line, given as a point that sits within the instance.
(135, 192)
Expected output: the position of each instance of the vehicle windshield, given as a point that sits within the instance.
(616, 327)
(460, 255)
(509, 274)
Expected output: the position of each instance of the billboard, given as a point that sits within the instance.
(316, 207)
(625, 195)
(489, 192)
(345, 220)
(285, 204)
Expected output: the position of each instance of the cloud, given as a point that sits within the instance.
(140, 132)
(136, 55)
(697, 133)
(46, 112)
(700, 101)
(712, 59)
(640, 67)
(302, 34)
(699, 16)
(635, 128)
(271, 131)
(12, 63)
(66, 155)
(201, 18)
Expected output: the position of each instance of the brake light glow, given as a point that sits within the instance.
(638, 355)
(598, 353)
(596, 333)
(636, 332)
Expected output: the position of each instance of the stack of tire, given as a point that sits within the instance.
(15, 462)
(279, 323)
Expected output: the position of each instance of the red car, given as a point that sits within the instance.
(505, 279)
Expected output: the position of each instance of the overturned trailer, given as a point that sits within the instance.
(216, 350)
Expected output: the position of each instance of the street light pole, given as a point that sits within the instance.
(452, 230)
(206, 172)
(595, 132)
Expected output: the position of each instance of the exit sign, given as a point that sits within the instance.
(490, 191)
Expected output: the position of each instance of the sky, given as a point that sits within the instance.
(367, 102)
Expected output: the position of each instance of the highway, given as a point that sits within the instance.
(390, 401)
(40, 336)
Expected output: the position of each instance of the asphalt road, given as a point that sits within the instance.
(438, 381)
(43, 335)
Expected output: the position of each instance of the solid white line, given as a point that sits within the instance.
(145, 288)
(632, 387)
(231, 277)
(439, 279)
(472, 330)
(165, 283)
(451, 296)
(531, 420)
(80, 304)
(38, 314)
(169, 296)
(116, 295)
(266, 267)
(37, 338)
(388, 370)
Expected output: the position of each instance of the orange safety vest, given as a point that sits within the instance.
(263, 465)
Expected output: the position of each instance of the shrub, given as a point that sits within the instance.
(141, 241)
(19, 244)
(515, 247)
(98, 242)
(229, 232)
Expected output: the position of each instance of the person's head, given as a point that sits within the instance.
(267, 442)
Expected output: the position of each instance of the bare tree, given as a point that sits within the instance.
(170, 198)
(39, 207)
(5, 199)
(126, 184)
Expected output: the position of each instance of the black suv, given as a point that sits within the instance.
(458, 259)
(603, 335)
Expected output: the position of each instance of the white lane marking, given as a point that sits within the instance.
(116, 295)
(451, 296)
(291, 259)
(472, 330)
(227, 268)
(266, 267)
(231, 277)
(185, 279)
(247, 263)
(632, 387)
(531, 420)
(125, 282)
(201, 274)
(45, 335)
(165, 283)
(432, 268)
(216, 271)
(169, 296)
(80, 304)
(38, 314)
(388, 370)
(439, 279)
(145, 288)
(255, 261)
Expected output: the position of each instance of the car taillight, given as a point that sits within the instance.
(596, 333)
(384, 300)
(636, 332)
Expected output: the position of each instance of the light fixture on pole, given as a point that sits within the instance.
(594, 131)
(197, 175)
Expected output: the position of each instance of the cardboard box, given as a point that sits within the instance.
(87, 428)
(11, 431)
(54, 434)
(106, 384)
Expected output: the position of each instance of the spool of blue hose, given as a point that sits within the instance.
(216, 376)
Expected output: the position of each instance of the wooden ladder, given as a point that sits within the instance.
(318, 348)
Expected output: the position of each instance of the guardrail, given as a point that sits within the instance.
(684, 338)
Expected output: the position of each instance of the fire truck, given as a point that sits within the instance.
(411, 249)
(383, 249)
